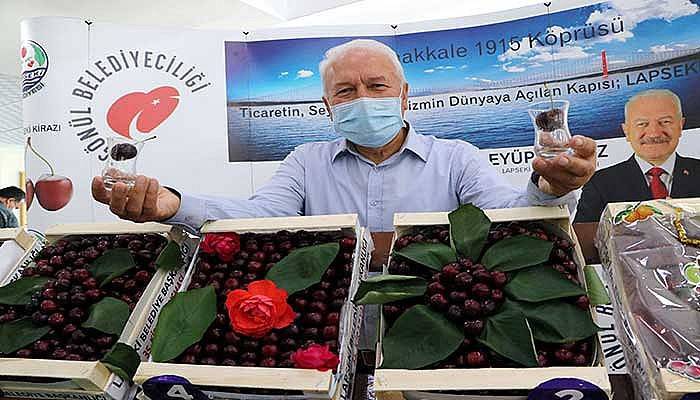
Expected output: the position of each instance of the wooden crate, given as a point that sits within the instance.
(401, 384)
(17, 249)
(59, 379)
(650, 381)
(229, 382)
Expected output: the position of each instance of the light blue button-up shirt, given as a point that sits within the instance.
(426, 174)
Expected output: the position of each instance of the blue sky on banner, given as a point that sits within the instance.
(492, 55)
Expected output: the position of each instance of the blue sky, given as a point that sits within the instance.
(280, 67)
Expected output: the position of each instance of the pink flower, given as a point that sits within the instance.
(315, 357)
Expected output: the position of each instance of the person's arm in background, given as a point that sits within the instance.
(480, 184)
(149, 201)
(591, 205)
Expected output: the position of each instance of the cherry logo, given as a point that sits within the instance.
(149, 109)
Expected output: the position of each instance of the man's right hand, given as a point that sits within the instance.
(146, 201)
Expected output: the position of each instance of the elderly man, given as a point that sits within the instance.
(653, 125)
(10, 198)
(378, 167)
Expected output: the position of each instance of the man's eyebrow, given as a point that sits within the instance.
(377, 78)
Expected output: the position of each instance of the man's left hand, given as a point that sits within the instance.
(566, 172)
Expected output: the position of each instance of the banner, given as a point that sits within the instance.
(226, 107)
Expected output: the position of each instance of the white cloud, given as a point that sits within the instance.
(283, 74)
(304, 73)
(611, 62)
(429, 71)
(465, 66)
(506, 67)
(634, 12)
(444, 67)
(660, 48)
(474, 78)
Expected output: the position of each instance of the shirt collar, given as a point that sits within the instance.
(413, 142)
(667, 166)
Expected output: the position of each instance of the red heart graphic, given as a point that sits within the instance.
(152, 109)
(23, 52)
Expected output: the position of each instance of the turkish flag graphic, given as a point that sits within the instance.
(149, 109)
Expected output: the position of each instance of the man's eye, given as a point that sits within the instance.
(642, 124)
(343, 91)
(666, 122)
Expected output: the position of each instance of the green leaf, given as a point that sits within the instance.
(419, 337)
(303, 267)
(597, 294)
(39, 55)
(517, 252)
(20, 333)
(386, 288)
(469, 229)
(123, 360)
(109, 315)
(541, 283)
(111, 264)
(170, 258)
(558, 321)
(19, 292)
(508, 334)
(183, 322)
(432, 255)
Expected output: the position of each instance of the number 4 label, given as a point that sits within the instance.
(179, 392)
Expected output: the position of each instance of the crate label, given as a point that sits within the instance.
(172, 283)
(567, 389)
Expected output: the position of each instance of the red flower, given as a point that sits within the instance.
(225, 245)
(315, 357)
(256, 311)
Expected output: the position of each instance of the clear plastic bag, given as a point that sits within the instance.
(657, 295)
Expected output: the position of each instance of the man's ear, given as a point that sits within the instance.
(328, 107)
(404, 99)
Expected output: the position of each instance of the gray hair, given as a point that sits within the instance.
(334, 53)
(653, 93)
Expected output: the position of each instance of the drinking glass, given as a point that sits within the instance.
(550, 119)
(122, 154)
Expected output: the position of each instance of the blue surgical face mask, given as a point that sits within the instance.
(368, 121)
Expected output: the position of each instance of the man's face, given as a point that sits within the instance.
(362, 73)
(11, 204)
(653, 128)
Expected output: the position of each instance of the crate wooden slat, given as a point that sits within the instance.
(482, 378)
(389, 384)
(91, 379)
(315, 383)
(19, 235)
(89, 375)
(669, 385)
(242, 377)
(23, 243)
(112, 228)
(274, 224)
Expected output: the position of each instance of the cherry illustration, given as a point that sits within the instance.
(53, 191)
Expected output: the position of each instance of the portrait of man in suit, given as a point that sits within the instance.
(653, 126)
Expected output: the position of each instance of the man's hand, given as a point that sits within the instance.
(564, 173)
(146, 201)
